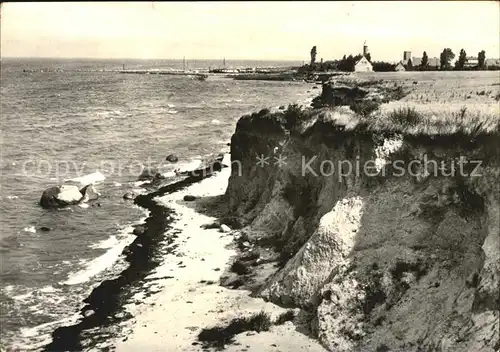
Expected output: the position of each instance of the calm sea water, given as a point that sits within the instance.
(73, 119)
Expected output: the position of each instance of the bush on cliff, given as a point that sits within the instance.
(220, 336)
(293, 114)
(364, 107)
(405, 117)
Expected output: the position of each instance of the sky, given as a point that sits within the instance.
(248, 30)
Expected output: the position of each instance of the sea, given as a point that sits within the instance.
(64, 119)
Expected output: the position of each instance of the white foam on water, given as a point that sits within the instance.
(190, 165)
(172, 112)
(12, 197)
(48, 289)
(114, 251)
(116, 184)
(89, 179)
(139, 183)
(215, 122)
(30, 229)
(83, 205)
(42, 333)
(100, 263)
(105, 244)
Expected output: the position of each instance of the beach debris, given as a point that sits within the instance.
(224, 228)
(213, 225)
(172, 158)
(240, 268)
(189, 198)
(233, 222)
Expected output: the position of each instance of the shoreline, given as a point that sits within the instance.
(104, 314)
(194, 299)
(105, 303)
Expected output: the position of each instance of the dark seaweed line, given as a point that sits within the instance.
(107, 298)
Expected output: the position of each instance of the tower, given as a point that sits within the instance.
(406, 56)
(365, 49)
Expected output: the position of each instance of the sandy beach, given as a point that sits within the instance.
(190, 298)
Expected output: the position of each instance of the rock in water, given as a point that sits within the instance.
(139, 230)
(147, 173)
(129, 195)
(172, 158)
(89, 193)
(45, 229)
(60, 196)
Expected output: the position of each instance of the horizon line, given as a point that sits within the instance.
(136, 58)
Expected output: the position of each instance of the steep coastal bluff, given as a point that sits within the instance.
(384, 251)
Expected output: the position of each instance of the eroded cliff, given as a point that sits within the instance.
(387, 252)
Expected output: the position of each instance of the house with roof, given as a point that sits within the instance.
(492, 62)
(363, 64)
(431, 61)
(400, 67)
(471, 61)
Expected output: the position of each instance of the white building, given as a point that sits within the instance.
(363, 65)
(400, 67)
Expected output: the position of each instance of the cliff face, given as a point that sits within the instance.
(401, 260)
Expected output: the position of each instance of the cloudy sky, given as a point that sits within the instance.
(247, 30)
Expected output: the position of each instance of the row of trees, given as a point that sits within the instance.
(347, 62)
(447, 55)
(445, 59)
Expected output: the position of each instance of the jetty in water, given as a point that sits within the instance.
(165, 72)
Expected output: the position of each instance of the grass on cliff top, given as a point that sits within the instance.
(404, 118)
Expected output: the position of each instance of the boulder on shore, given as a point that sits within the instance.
(209, 165)
(172, 158)
(225, 228)
(60, 196)
(148, 173)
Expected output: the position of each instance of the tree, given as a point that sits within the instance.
(481, 58)
(425, 60)
(383, 66)
(313, 55)
(446, 56)
(409, 65)
(369, 57)
(462, 59)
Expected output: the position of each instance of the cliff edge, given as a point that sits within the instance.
(385, 251)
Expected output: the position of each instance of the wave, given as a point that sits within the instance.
(115, 246)
(108, 113)
(30, 229)
(92, 178)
